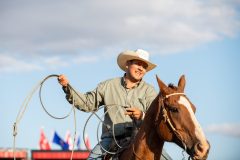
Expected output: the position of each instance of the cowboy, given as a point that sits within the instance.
(129, 92)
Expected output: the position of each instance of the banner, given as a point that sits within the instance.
(58, 140)
(43, 142)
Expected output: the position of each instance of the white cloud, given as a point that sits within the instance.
(85, 59)
(11, 64)
(72, 28)
(225, 129)
(55, 62)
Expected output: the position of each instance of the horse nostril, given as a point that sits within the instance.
(200, 150)
(199, 147)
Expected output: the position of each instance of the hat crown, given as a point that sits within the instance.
(142, 54)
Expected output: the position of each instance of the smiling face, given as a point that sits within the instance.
(136, 69)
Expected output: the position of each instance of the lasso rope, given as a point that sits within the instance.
(41, 101)
(39, 86)
(25, 105)
(109, 107)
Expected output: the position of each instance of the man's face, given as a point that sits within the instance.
(136, 69)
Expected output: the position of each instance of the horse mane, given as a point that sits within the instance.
(172, 86)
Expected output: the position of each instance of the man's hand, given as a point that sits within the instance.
(62, 79)
(134, 113)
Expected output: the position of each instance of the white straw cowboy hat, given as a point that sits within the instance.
(138, 54)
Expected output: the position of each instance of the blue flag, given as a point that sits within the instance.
(58, 140)
(79, 143)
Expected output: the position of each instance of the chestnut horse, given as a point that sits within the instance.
(169, 118)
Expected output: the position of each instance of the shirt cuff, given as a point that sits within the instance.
(66, 89)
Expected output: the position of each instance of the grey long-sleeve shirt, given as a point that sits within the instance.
(113, 95)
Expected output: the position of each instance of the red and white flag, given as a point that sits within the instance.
(87, 142)
(43, 142)
(68, 139)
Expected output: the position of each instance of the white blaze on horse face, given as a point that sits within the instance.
(198, 130)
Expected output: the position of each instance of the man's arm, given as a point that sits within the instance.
(86, 102)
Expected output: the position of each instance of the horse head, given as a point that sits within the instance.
(176, 121)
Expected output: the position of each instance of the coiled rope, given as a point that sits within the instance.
(108, 107)
(25, 105)
(39, 86)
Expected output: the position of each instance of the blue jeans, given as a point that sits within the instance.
(98, 153)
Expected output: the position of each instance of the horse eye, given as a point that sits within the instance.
(173, 109)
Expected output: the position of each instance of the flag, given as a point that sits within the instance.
(43, 142)
(78, 143)
(68, 139)
(87, 142)
(58, 140)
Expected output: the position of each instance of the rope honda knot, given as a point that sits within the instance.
(14, 129)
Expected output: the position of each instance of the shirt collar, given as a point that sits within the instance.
(123, 81)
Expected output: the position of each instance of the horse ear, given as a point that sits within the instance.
(181, 83)
(162, 86)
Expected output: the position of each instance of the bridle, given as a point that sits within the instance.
(167, 119)
(164, 111)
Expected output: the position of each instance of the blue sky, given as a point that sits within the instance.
(82, 39)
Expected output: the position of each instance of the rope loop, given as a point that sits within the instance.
(24, 107)
(41, 101)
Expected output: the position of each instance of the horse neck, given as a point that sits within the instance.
(148, 142)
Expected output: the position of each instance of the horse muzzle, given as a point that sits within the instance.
(199, 151)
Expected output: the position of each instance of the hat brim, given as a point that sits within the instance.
(131, 55)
